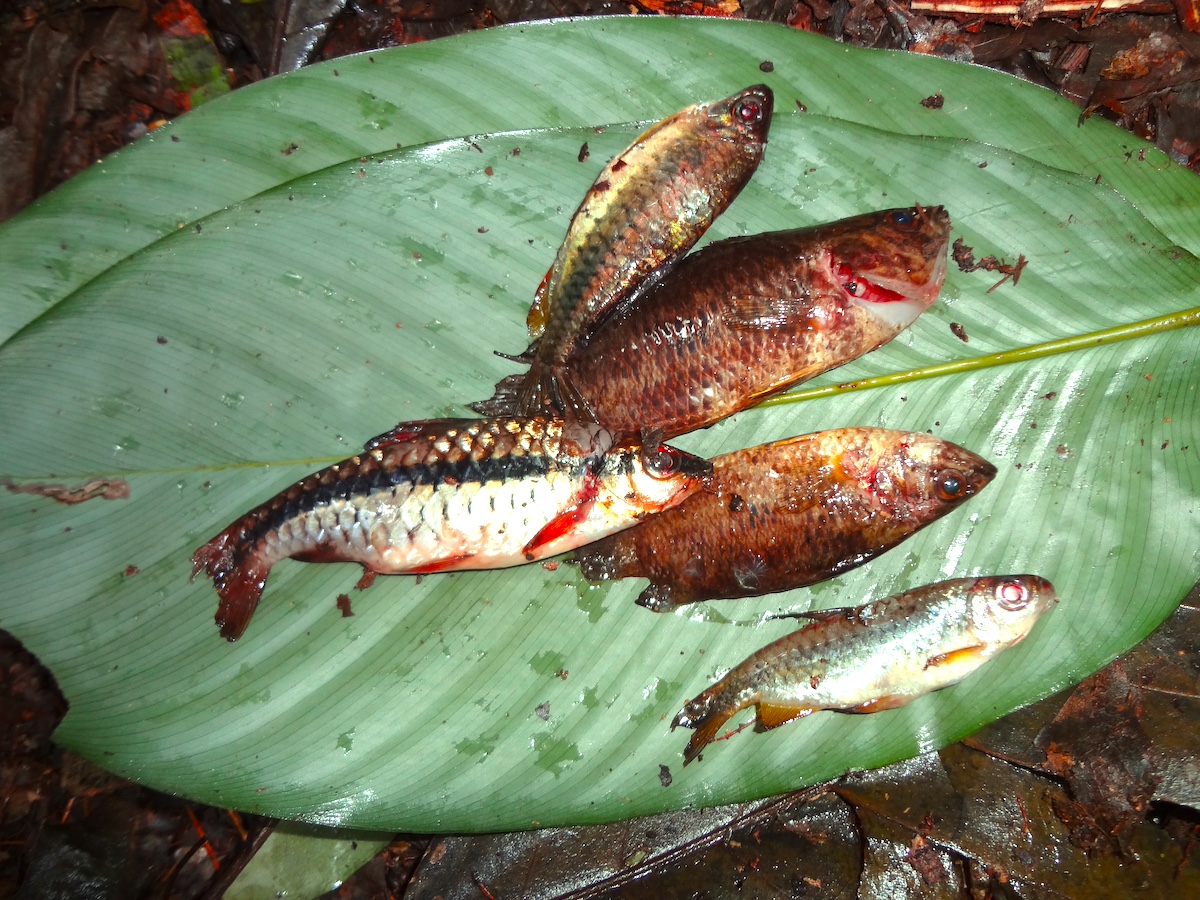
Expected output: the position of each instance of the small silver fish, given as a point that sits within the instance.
(878, 656)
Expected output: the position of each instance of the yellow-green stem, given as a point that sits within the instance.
(1183, 319)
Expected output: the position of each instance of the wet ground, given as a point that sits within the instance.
(1092, 793)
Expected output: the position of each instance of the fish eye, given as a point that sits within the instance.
(1012, 595)
(950, 484)
(904, 218)
(748, 111)
(661, 462)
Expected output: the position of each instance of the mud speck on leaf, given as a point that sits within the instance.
(103, 488)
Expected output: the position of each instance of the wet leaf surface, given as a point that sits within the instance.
(1164, 669)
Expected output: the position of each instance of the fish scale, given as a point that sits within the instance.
(450, 494)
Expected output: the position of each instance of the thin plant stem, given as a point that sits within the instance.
(1185, 319)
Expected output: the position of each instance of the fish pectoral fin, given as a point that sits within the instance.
(445, 564)
(771, 715)
(969, 656)
(368, 578)
(566, 520)
(760, 312)
(878, 704)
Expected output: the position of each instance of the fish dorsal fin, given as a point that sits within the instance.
(772, 716)
(409, 432)
(821, 615)
(770, 312)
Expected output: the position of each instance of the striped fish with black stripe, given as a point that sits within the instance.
(448, 494)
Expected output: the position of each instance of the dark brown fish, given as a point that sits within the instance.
(645, 210)
(448, 494)
(879, 656)
(749, 316)
(791, 513)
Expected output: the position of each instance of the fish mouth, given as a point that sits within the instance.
(898, 301)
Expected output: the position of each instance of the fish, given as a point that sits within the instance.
(749, 316)
(448, 494)
(878, 656)
(644, 211)
(791, 513)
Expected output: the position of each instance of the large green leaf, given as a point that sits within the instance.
(230, 313)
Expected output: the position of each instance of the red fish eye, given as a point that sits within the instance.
(905, 218)
(660, 462)
(1012, 595)
(748, 111)
(950, 484)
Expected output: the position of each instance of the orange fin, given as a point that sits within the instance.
(879, 704)
(368, 579)
(564, 523)
(438, 565)
(772, 716)
(536, 320)
(975, 654)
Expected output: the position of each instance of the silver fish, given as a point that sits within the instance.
(878, 656)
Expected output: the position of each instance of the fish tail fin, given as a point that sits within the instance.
(548, 389)
(238, 575)
(504, 401)
(707, 714)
